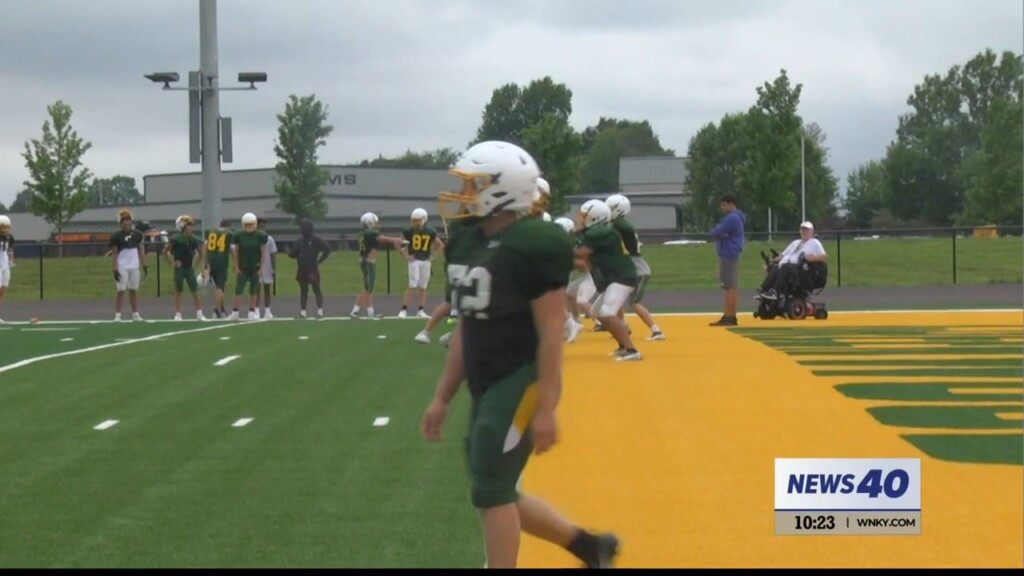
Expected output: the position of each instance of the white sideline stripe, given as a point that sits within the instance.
(225, 337)
(241, 422)
(381, 421)
(303, 337)
(224, 361)
(28, 361)
(49, 329)
(669, 314)
(66, 339)
(105, 424)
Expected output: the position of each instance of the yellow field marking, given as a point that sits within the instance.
(675, 453)
(985, 391)
(1010, 415)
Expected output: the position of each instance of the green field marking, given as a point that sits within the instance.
(967, 372)
(988, 362)
(880, 262)
(952, 417)
(933, 391)
(309, 482)
(971, 448)
(840, 351)
(937, 351)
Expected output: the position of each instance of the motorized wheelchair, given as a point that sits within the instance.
(794, 302)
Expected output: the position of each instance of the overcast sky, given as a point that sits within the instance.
(416, 74)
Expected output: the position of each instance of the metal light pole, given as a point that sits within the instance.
(210, 105)
(803, 180)
(209, 134)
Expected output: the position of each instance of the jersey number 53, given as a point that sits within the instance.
(472, 288)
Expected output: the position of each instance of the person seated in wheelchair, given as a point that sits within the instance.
(785, 268)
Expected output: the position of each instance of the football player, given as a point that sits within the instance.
(572, 324)
(248, 247)
(454, 269)
(181, 252)
(218, 246)
(420, 242)
(613, 271)
(370, 240)
(128, 254)
(620, 207)
(6, 254)
(507, 346)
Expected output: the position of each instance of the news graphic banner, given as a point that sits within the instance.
(847, 496)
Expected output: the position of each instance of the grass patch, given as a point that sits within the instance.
(882, 262)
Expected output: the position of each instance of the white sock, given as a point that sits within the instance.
(355, 309)
(320, 311)
(655, 329)
(369, 311)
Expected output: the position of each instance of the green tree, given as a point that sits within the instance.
(555, 145)
(536, 117)
(116, 191)
(300, 184)
(773, 159)
(513, 109)
(22, 202)
(819, 182)
(3, 207)
(928, 166)
(603, 145)
(59, 183)
(865, 193)
(993, 173)
(432, 159)
(715, 157)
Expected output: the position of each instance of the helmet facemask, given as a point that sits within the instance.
(465, 202)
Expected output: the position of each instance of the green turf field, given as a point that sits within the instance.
(309, 482)
(883, 262)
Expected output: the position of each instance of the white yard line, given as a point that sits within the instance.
(225, 360)
(28, 361)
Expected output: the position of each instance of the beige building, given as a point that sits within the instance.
(654, 185)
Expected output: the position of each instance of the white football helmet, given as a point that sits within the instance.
(182, 221)
(542, 199)
(618, 204)
(592, 213)
(204, 281)
(496, 177)
(5, 224)
(567, 224)
(418, 217)
(249, 221)
(369, 220)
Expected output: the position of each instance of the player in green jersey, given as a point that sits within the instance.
(507, 346)
(249, 248)
(181, 252)
(218, 251)
(420, 243)
(370, 240)
(620, 208)
(613, 271)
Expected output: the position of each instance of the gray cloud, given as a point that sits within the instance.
(416, 74)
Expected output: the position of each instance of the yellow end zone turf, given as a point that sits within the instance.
(675, 453)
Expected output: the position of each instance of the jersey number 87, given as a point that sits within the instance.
(473, 289)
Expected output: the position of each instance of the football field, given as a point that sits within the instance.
(296, 443)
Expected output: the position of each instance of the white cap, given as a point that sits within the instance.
(807, 225)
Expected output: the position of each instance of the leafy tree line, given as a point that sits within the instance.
(956, 158)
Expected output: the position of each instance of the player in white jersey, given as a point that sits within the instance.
(268, 270)
(6, 254)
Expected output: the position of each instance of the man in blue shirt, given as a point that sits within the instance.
(728, 236)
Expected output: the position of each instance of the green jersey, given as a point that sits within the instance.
(629, 238)
(368, 242)
(506, 273)
(218, 243)
(184, 249)
(457, 253)
(609, 261)
(421, 241)
(249, 248)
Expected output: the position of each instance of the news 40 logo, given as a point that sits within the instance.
(848, 495)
